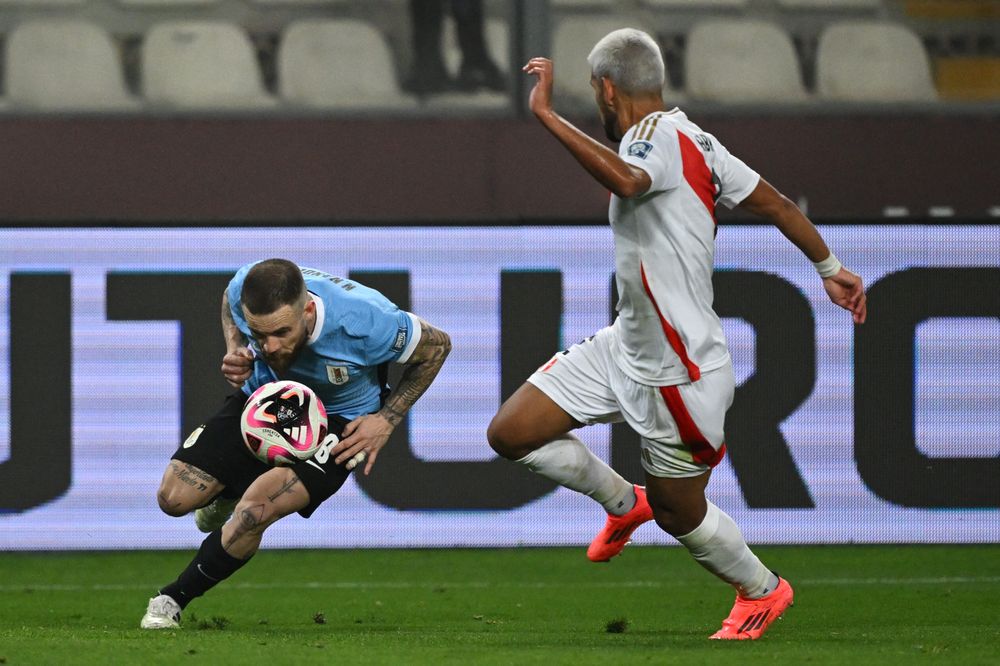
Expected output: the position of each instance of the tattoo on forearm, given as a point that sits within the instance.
(191, 475)
(286, 487)
(426, 361)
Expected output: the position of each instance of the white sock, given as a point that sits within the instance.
(571, 464)
(718, 546)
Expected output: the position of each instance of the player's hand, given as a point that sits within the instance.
(540, 100)
(364, 435)
(846, 290)
(237, 366)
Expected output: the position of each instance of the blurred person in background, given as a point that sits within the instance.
(429, 74)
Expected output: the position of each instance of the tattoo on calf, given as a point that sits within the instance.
(247, 520)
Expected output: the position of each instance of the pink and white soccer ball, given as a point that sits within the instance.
(283, 422)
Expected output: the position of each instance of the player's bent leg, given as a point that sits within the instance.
(533, 430)
(526, 421)
(274, 495)
(184, 488)
(713, 539)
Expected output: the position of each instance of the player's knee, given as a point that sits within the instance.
(173, 502)
(503, 439)
(675, 520)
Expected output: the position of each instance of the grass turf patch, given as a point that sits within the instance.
(869, 604)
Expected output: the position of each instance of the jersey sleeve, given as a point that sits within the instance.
(392, 336)
(654, 148)
(736, 179)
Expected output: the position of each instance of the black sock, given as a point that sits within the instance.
(210, 566)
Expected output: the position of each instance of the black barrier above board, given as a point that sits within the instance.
(881, 433)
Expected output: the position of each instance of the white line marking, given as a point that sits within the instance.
(406, 585)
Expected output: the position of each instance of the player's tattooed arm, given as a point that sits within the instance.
(237, 364)
(422, 367)
(367, 434)
(230, 331)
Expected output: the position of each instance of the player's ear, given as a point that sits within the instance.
(608, 91)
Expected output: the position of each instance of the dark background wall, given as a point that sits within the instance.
(334, 170)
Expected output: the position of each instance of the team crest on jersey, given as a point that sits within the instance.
(337, 374)
(640, 149)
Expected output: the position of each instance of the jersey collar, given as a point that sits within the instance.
(320, 316)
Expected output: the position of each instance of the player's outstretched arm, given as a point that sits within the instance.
(237, 364)
(842, 286)
(601, 162)
(368, 434)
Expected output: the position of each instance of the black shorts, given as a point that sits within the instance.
(217, 448)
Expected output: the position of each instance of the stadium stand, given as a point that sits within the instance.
(201, 65)
(64, 65)
(742, 61)
(338, 64)
(872, 62)
(944, 50)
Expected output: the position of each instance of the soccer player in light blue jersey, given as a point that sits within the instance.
(334, 335)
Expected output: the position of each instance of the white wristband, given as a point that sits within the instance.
(829, 266)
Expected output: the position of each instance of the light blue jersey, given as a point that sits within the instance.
(357, 330)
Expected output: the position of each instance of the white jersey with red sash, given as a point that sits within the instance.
(667, 332)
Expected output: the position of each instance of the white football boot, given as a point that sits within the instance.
(161, 613)
(214, 515)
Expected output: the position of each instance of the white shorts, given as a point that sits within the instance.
(681, 427)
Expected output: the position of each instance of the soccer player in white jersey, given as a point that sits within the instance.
(663, 365)
(336, 336)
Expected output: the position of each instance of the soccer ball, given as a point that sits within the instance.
(283, 422)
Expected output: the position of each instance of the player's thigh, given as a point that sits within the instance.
(570, 390)
(213, 460)
(526, 420)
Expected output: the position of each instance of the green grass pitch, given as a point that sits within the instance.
(853, 605)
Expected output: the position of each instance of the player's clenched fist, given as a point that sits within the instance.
(237, 366)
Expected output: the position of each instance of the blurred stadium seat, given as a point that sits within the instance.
(166, 4)
(202, 65)
(872, 62)
(830, 5)
(64, 65)
(338, 64)
(694, 4)
(742, 60)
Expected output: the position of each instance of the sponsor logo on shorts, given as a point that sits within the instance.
(193, 437)
(337, 374)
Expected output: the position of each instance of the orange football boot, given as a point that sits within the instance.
(617, 530)
(751, 617)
